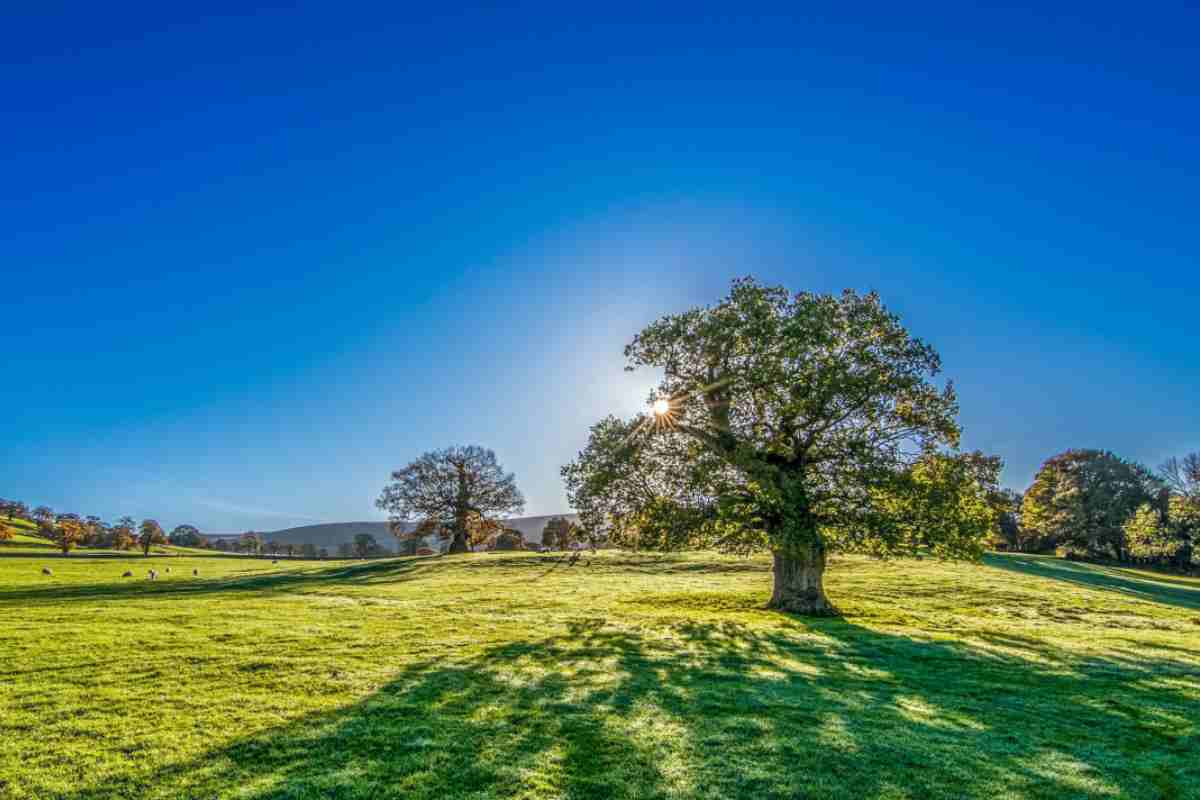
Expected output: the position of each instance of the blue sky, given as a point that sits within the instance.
(253, 261)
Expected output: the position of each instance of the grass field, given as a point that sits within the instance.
(25, 541)
(488, 676)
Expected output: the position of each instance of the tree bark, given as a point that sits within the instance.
(798, 583)
(459, 543)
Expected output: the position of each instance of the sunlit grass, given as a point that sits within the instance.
(632, 676)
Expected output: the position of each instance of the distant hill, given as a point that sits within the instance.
(332, 534)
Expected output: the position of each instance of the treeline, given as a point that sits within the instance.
(1093, 504)
(485, 535)
(68, 531)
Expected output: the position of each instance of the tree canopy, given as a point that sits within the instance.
(452, 489)
(1182, 475)
(186, 536)
(150, 533)
(799, 424)
(1081, 499)
(66, 531)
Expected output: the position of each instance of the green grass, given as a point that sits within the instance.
(490, 676)
(26, 540)
(31, 544)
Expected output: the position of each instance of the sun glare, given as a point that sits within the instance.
(661, 406)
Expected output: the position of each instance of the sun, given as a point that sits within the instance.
(661, 406)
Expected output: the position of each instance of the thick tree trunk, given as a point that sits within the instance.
(798, 583)
(459, 543)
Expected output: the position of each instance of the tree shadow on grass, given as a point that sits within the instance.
(388, 570)
(1141, 586)
(803, 709)
(383, 570)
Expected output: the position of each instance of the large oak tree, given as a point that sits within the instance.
(798, 424)
(453, 489)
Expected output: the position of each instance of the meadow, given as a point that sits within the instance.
(622, 676)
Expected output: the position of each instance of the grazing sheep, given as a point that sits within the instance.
(46, 571)
(153, 575)
(127, 573)
(168, 570)
(274, 561)
(195, 572)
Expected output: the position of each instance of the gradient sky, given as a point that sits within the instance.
(253, 262)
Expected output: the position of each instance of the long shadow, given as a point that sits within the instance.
(296, 581)
(821, 709)
(1141, 587)
(282, 581)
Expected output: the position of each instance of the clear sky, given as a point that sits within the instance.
(253, 261)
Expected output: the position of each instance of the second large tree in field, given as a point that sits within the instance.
(799, 424)
(452, 490)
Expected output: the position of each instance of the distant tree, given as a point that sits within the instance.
(250, 543)
(150, 533)
(185, 536)
(1182, 475)
(510, 539)
(786, 423)
(451, 487)
(1006, 531)
(43, 515)
(308, 550)
(67, 531)
(1081, 499)
(274, 547)
(6, 532)
(324, 553)
(558, 533)
(1166, 532)
(96, 533)
(13, 509)
(345, 550)
(222, 545)
(365, 545)
(121, 535)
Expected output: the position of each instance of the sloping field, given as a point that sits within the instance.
(489, 676)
